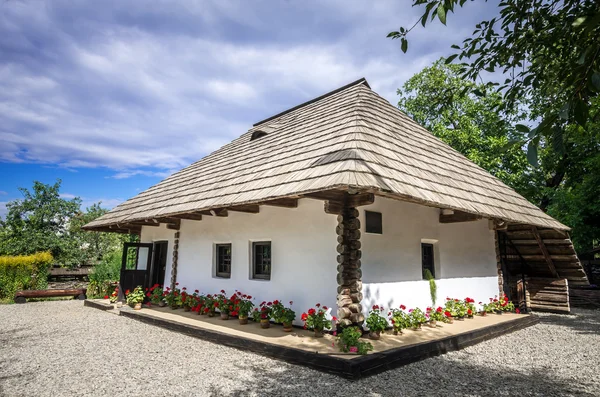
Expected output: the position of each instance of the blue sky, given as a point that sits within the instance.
(113, 96)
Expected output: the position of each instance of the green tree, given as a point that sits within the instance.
(39, 222)
(542, 56)
(442, 101)
(94, 245)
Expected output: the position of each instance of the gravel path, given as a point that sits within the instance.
(63, 349)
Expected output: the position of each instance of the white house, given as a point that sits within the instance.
(343, 200)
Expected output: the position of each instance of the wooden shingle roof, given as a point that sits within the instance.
(350, 138)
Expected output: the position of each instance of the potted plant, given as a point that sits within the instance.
(349, 341)
(135, 297)
(449, 319)
(263, 315)
(114, 296)
(376, 322)
(504, 305)
(417, 318)
(315, 320)
(172, 297)
(457, 308)
(287, 317)
(210, 303)
(469, 303)
(187, 301)
(277, 311)
(225, 305)
(243, 306)
(399, 319)
(155, 295)
(486, 308)
(434, 316)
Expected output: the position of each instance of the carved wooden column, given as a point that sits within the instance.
(349, 277)
(174, 262)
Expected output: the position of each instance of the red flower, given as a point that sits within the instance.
(275, 302)
(216, 304)
(311, 312)
(469, 312)
(148, 294)
(105, 296)
(334, 318)
(249, 297)
(291, 303)
(325, 308)
(318, 305)
(234, 313)
(127, 292)
(375, 307)
(439, 309)
(176, 283)
(196, 291)
(402, 307)
(269, 303)
(222, 291)
(184, 288)
(447, 313)
(517, 310)
(304, 316)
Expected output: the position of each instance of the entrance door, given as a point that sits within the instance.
(159, 263)
(135, 266)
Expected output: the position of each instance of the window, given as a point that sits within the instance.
(427, 259)
(261, 260)
(223, 260)
(373, 222)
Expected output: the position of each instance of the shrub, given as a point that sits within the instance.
(107, 271)
(23, 272)
(417, 317)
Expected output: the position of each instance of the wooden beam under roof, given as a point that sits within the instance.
(144, 222)
(458, 216)
(247, 208)
(194, 216)
(283, 202)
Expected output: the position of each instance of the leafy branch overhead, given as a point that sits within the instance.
(541, 53)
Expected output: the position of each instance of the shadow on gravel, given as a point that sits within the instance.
(582, 321)
(444, 378)
(12, 337)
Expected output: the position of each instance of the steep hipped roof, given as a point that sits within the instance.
(350, 137)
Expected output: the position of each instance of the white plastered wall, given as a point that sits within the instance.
(465, 258)
(303, 242)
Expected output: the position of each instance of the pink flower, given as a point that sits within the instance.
(353, 349)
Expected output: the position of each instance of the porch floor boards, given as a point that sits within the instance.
(300, 347)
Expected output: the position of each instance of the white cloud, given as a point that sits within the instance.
(3, 193)
(68, 196)
(179, 80)
(3, 209)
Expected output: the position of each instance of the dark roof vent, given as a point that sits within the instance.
(257, 134)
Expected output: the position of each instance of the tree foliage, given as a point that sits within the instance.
(442, 101)
(541, 56)
(44, 221)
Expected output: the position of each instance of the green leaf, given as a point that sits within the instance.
(441, 13)
(455, 47)
(450, 58)
(404, 45)
(522, 128)
(558, 140)
(564, 111)
(582, 112)
(393, 34)
(579, 21)
(532, 154)
(596, 81)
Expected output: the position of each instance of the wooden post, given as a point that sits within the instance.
(349, 275)
(499, 265)
(174, 263)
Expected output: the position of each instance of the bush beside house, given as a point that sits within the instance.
(23, 272)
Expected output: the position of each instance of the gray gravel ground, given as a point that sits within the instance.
(63, 349)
